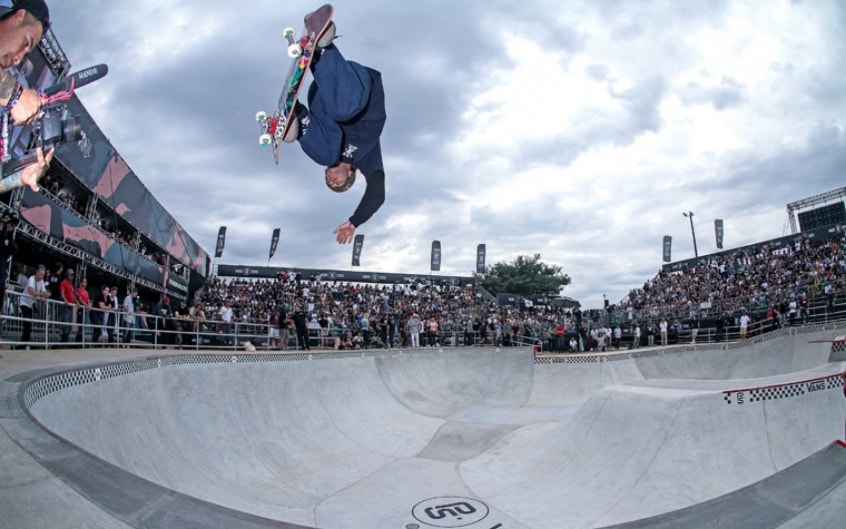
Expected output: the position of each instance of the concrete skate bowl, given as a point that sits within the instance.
(483, 438)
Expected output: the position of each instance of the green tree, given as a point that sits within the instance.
(526, 276)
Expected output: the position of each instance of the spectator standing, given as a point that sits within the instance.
(68, 307)
(35, 288)
(128, 315)
(636, 342)
(468, 332)
(99, 314)
(559, 338)
(113, 317)
(792, 310)
(53, 281)
(285, 323)
(273, 329)
(225, 314)
(83, 304)
(300, 319)
(183, 323)
(720, 323)
(744, 324)
(413, 327)
(695, 325)
(164, 321)
(433, 331)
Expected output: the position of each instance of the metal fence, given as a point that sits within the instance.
(55, 325)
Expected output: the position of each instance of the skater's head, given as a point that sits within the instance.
(340, 177)
(22, 24)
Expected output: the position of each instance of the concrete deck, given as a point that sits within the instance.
(689, 436)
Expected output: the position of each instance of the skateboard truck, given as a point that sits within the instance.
(319, 32)
(295, 48)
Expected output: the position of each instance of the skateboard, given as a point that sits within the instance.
(275, 126)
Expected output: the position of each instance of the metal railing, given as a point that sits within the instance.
(55, 325)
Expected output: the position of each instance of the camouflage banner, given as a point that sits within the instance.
(50, 218)
(97, 164)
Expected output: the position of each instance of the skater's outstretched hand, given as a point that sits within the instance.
(344, 233)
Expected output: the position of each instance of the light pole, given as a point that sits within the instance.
(689, 215)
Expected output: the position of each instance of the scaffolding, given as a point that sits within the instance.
(56, 59)
(809, 202)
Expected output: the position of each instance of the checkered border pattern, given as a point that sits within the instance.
(46, 385)
(784, 391)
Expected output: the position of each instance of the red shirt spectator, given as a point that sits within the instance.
(66, 289)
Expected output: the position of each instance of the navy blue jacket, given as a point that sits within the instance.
(346, 118)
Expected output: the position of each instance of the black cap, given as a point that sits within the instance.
(36, 8)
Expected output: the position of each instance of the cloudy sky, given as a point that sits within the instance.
(579, 130)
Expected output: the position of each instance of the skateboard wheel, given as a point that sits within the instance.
(294, 51)
(265, 140)
(288, 32)
(261, 115)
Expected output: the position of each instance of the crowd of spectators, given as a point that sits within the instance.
(780, 286)
(777, 286)
(349, 316)
(766, 282)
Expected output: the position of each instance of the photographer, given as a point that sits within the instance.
(8, 221)
(22, 24)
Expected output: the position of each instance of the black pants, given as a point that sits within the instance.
(302, 339)
(26, 334)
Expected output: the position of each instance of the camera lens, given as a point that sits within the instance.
(70, 129)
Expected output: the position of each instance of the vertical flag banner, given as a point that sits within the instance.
(480, 259)
(718, 229)
(668, 243)
(358, 244)
(274, 241)
(436, 256)
(221, 242)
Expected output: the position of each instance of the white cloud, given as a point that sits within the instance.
(580, 132)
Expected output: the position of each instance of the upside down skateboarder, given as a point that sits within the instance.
(340, 129)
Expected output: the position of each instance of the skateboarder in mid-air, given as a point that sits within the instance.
(340, 129)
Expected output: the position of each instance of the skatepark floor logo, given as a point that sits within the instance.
(450, 511)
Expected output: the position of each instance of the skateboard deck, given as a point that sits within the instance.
(301, 50)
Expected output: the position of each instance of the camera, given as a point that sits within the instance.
(56, 126)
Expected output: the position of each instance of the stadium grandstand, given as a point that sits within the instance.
(94, 215)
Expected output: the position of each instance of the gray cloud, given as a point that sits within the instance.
(594, 192)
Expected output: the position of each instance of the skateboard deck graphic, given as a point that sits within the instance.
(274, 127)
